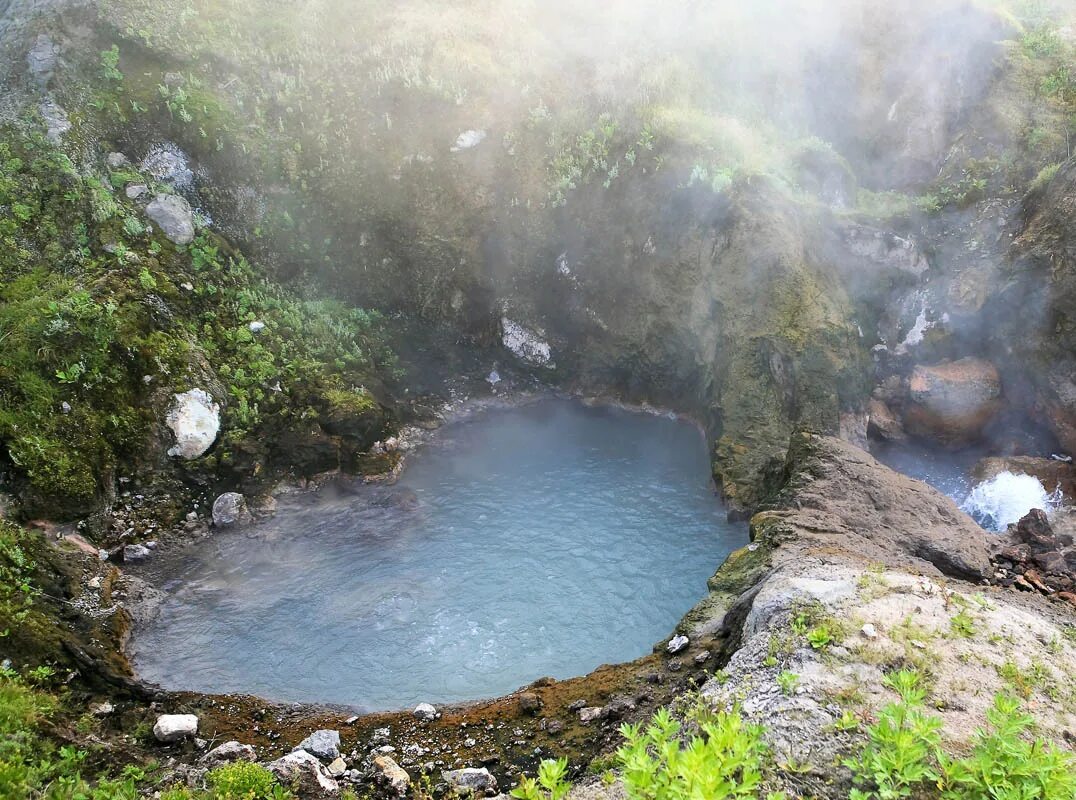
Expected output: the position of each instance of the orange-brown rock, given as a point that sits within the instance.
(952, 402)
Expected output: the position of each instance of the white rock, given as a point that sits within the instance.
(135, 190)
(117, 161)
(102, 709)
(470, 779)
(425, 711)
(305, 772)
(256, 325)
(869, 631)
(195, 421)
(337, 767)
(468, 139)
(175, 727)
(525, 343)
(677, 643)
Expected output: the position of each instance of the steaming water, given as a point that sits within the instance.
(1006, 497)
(993, 503)
(542, 540)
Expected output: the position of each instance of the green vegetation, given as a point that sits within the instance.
(96, 320)
(551, 784)
(32, 766)
(788, 681)
(904, 757)
(724, 760)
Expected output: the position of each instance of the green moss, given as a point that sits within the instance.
(350, 401)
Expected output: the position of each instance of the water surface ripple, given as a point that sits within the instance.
(541, 540)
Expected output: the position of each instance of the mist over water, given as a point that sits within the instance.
(542, 540)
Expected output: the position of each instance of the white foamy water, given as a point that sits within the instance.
(1005, 498)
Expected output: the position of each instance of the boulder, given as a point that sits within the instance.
(837, 496)
(195, 422)
(173, 215)
(175, 727)
(303, 771)
(530, 703)
(324, 744)
(230, 509)
(470, 779)
(227, 753)
(392, 775)
(953, 401)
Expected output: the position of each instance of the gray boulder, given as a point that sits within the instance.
(230, 509)
(173, 216)
(425, 711)
(324, 744)
(303, 771)
(135, 552)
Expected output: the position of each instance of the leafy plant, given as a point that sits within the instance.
(551, 783)
(242, 780)
(788, 681)
(963, 625)
(724, 760)
(819, 637)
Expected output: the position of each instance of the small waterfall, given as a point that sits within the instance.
(1005, 498)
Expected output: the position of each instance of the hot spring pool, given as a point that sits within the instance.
(541, 540)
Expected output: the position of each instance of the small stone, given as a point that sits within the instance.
(117, 161)
(675, 665)
(425, 711)
(554, 727)
(702, 657)
(227, 753)
(589, 714)
(392, 774)
(102, 709)
(577, 704)
(324, 744)
(135, 552)
(470, 779)
(380, 734)
(530, 703)
(677, 643)
(869, 631)
(135, 190)
(352, 720)
(337, 767)
(469, 742)
(95, 582)
(175, 727)
(256, 326)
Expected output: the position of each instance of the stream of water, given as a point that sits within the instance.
(540, 540)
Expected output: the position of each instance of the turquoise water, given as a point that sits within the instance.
(541, 540)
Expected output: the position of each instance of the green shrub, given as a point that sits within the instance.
(723, 760)
(243, 780)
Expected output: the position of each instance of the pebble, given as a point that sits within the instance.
(869, 631)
